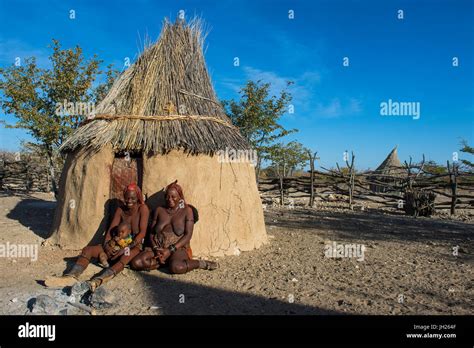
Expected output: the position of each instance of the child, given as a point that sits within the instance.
(115, 247)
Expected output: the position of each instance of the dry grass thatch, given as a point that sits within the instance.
(391, 165)
(389, 171)
(164, 101)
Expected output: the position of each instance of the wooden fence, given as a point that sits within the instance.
(25, 173)
(453, 190)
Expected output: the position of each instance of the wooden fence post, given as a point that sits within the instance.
(312, 159)
(453, 181)
(351, 180)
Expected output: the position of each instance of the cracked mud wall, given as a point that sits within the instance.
(84, 191)
(225, 194)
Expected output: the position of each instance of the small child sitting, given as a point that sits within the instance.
(122, 239)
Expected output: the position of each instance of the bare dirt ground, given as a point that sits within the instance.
(408, 267)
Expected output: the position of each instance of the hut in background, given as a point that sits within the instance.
(390, 172)
(161, 121)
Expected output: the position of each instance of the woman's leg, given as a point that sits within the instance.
(87, 254)
(116, 268)
(125, 259)
(145, 261)
(180, 263)
(70, 277)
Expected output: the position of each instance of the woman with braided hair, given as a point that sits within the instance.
(172, 229)
(132, 212)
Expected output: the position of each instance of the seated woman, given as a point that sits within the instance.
(133, 212)
(172, 229)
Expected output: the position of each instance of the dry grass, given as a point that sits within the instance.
(169, 78)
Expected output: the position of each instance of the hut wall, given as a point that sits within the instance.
(82, 212)
(225, 194)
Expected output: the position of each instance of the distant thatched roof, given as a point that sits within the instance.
(164, 101)
(391, 165)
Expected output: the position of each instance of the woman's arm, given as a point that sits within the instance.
(115, 222)
(154, 221)
(154, 230)
(188, 229)
(143, 225)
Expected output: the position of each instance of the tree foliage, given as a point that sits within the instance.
(287, 158)
(432, 167)
(32, 95)
(468, 150)
(257, 114)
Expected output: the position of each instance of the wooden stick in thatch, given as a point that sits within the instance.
(164, 101)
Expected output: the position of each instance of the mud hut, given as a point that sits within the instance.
(390, 172)
(161, 121)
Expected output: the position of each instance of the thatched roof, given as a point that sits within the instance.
(391, 165)
(164, 101)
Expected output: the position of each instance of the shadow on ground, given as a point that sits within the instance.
(34, 213)
(203, 300)
(373, 226)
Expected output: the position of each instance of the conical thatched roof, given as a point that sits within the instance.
(164, 101)
(391, 164)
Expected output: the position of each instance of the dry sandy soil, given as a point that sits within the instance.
(408, 267)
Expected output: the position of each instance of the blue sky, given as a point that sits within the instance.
(337, 108)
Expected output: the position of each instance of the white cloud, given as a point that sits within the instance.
(303, 91)
(232, 84)
(336, 108)
(278, 83)
(10, 49)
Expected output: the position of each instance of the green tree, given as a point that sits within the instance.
(432, 167)
(35, 97)
(257, 115)
(469, 150)
(102, 89)
(285, 159)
